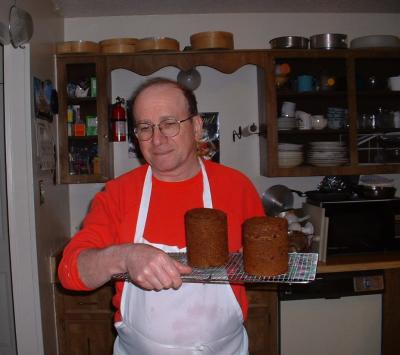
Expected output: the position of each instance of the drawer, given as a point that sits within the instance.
(93, 301)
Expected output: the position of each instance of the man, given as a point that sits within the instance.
(139, 218)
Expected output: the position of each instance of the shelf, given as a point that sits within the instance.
(324, 131)
(310, 94)
(79, 100)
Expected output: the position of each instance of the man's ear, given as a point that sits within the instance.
(198, 127)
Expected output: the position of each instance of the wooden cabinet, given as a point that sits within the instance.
(85, 323)
(262, 321)
(83, 120)
(368, 149)
(358, 95)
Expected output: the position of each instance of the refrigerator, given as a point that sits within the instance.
(7, 327)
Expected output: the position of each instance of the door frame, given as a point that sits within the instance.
(20, 190)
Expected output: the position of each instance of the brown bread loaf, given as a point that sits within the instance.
(206, 237)
(265, 246)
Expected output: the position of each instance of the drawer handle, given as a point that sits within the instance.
(88, 303)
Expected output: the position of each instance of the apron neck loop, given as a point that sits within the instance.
(145, 200)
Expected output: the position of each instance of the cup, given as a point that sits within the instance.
(394, 83)
(318, 122)
(396, 119)
(288, 109)
(305, 83)
(303, 120)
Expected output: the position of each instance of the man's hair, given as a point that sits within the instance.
(188, 94)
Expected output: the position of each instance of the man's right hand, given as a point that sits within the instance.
(153, 269)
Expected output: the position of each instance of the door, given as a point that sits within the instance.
(7, 329)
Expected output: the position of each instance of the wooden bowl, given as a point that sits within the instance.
(212, 40)
(153, 44)
(117, 41)
(63, 47)
(77, 47)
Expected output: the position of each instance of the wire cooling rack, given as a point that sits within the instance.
(302, 269)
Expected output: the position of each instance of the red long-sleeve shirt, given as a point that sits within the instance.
(113, 214)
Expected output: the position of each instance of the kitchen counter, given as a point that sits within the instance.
(360, 262)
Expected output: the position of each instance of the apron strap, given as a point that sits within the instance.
(145, 200)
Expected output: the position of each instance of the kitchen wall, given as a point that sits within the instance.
(36, 230)
(233, 96)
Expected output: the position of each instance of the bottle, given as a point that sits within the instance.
(118, 121)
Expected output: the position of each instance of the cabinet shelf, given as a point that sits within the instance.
(310, 94)
(79, 100)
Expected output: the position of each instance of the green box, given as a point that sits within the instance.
(91, 125)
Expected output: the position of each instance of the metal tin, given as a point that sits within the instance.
(328, 41)
(289, 42)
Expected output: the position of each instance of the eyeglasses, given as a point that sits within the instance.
(168, 127)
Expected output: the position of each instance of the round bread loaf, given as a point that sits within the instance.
(265, 246)
(206, 237)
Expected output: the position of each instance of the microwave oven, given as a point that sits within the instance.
(361, 225)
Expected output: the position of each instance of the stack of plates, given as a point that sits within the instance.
(329, 153)
(290, 155)
(285, 123)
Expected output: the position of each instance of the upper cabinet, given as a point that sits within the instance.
(330, 113)
(83, 120)
(322, 112)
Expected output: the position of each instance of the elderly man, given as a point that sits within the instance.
(139, 218)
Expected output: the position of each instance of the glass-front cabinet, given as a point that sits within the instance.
(83, 121)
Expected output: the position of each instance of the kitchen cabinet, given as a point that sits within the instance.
(358, 93)
(85, 323)
(83, 120)
(262, 319)
(359, 90)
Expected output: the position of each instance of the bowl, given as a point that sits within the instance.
(211, 40)
(328, 41)
(375, 41)
(289, 42)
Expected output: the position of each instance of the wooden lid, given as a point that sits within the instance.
(63, 47)
(117, 41)
(212, 40)
(77, 47)
(118, 48)
(157, 44)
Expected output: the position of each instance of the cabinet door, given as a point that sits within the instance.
(262, 322)
(88, 337)
(83, 120)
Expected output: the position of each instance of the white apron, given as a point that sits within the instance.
(199, 319)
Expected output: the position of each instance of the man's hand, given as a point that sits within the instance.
(152, 269)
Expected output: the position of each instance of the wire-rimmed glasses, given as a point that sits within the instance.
(169, 127)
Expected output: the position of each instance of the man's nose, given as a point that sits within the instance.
(158, 137)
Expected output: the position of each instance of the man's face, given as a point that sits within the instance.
(171, 158)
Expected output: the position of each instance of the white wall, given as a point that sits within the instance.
(235, 95)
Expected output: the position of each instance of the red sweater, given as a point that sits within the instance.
(113, 214)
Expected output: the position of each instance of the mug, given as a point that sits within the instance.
(303, 120)
(394, 83)
(305, 83)
(318, 122)
(288, 109)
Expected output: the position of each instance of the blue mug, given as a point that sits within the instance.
(305, 83)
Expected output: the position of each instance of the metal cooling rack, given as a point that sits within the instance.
(302, 269)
